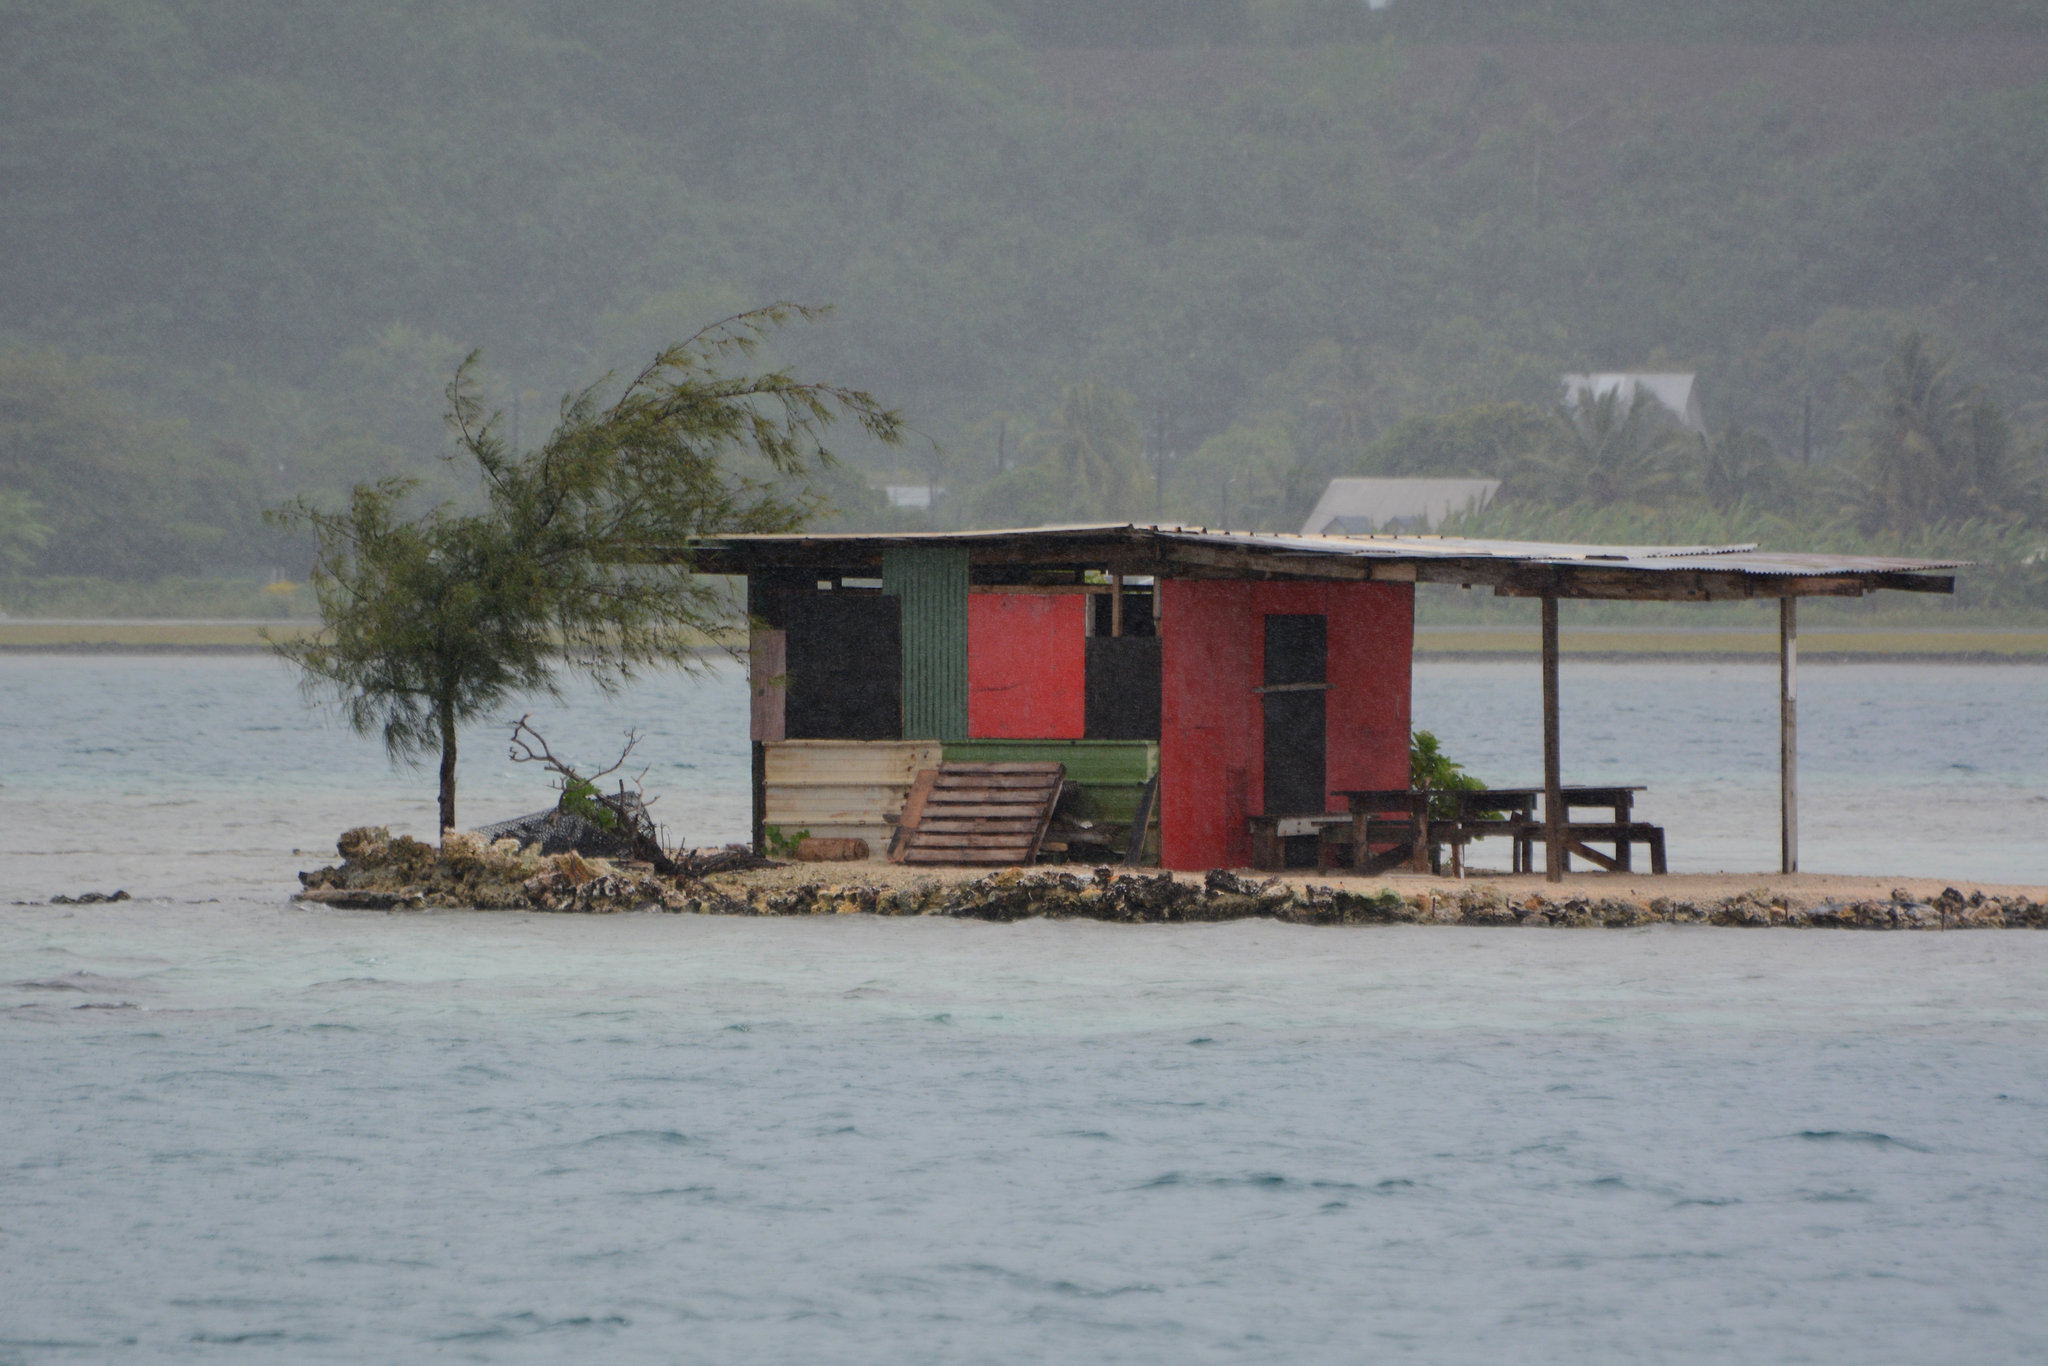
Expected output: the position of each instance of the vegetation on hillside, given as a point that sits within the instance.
(1258, 244)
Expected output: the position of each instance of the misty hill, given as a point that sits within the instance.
(281, 223)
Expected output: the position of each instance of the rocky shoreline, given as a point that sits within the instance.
(382, 872)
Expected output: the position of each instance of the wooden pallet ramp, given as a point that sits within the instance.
(987, 813)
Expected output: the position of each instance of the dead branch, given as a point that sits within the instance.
(530, 747)
(629, 808)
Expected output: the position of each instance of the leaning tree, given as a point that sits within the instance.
(576, 557)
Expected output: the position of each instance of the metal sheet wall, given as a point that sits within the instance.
(1211, 747)
(931, 581)
(1027, 665)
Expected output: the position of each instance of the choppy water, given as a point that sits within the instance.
(187, 775)
(231, 1128)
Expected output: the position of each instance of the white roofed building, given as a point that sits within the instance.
(1676, 390)
(1361, 506)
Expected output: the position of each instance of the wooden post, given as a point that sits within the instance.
(1788, 735)
(1116, 604)
(1553, 783)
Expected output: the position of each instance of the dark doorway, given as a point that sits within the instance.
(845, 664)
(1123, 688)
(1297, 655)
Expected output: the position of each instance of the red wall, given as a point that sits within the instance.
(1027, 666)
(1211, 750)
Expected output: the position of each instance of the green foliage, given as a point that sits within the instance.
(1430, 769)
(1094, 446)
(1738, 466)
(274, 217)
(1935, 448)
(579, 798)
(95, 488)
(1601, 450)
(782, 845)
(577, 557)
(1484, 440)
(22, 530)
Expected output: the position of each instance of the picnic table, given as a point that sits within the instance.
(1401, 823)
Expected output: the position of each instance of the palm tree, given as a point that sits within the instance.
(1934, 447)
(1096, 444)
(1602, 451)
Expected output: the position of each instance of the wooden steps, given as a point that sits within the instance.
(993, 813)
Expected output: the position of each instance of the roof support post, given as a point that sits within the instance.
(1553, 782)
(1788, 735)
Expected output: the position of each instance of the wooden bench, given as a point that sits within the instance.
(1623, 835)
(1271, 833)
(1389, 819)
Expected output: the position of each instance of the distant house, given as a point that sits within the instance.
(1676, 390)
(918, 496)
(1360, 506)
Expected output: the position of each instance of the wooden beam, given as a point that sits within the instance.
(1788, 735)
(1553, 781)
(1243, 561)
(1116, 604)
(1674, 585)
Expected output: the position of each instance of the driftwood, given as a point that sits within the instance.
(733, 858)
(632, 824)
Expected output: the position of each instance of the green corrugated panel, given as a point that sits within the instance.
(932, 583)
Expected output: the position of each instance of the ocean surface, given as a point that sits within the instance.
(236, 1129)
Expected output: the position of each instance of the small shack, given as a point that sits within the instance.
(1188, 679)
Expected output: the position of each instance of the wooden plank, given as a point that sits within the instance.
(1002, 766)
(993, 812)
(767, 683)
(996, 796)
(1029, 783)
(1607, 864)
(968, 825)
(913, 811)
(1134, 847)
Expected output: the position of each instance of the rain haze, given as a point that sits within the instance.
(311, 309)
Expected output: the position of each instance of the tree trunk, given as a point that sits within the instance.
(447, 770)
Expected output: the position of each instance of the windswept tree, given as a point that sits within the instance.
(578, 561)
(1934, 447)
(1604, 450)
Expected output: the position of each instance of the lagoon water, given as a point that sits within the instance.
(232, 1128)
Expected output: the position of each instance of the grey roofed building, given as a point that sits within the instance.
(1676, 390)
(1363, 506)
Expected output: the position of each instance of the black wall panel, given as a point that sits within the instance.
(1123, 688)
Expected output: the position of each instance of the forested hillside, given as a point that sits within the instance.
(1112, 259)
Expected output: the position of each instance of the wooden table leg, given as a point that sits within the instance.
(1418, 861)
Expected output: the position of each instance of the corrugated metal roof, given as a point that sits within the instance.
(1508, 565)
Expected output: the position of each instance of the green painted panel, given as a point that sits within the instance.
(931, 582)
(1088, 761)
(1113, 772)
